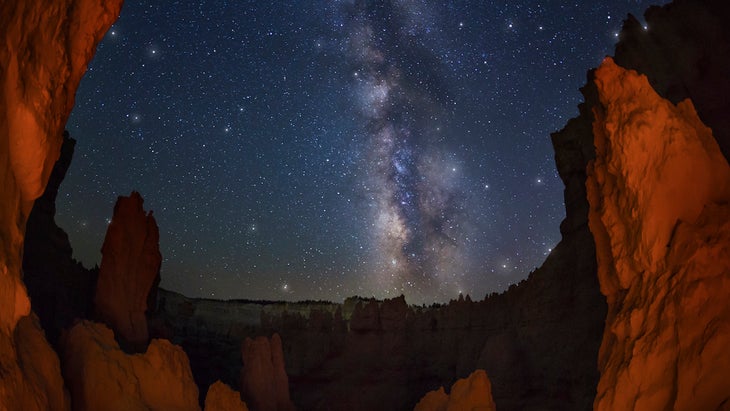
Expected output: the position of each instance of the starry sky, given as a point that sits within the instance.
(321, 149)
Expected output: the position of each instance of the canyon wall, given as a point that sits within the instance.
(46, 47)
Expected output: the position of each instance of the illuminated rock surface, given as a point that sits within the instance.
(467, 394)
(221, 397)
(130, 266)
(45, 48)
(659, 190)
(101, 377)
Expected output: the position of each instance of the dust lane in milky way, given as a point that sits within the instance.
(414, 194)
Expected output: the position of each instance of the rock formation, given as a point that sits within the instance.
(468, 394)
(221, 397)
(102, 377)
(60, 288)
(130, 267)
(45, 49)
(659, 191)
(264, 383)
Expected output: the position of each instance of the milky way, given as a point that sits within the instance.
(321, 149)
(412, 186)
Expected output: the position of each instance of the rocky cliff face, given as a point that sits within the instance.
(659, 191)
(130, 267)
(46, 46)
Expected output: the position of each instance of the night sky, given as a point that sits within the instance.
(323, 149)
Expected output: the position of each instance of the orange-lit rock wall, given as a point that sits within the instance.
(659, 193)
(45, 49)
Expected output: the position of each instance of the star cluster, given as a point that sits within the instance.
(323, 149)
